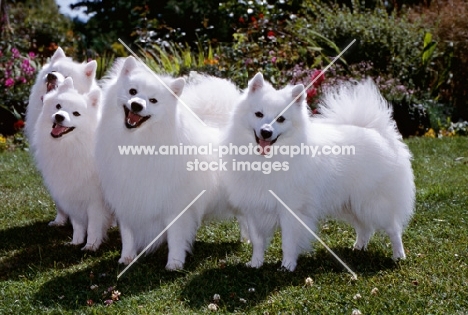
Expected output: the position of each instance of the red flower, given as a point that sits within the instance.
(319, 76)
(241, 20)
(260, 16)
(311, 93)
(271, 34)
(18, 125)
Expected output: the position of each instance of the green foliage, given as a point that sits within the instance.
(40, 274)
(391, 43)
(175, 59)
(37, 26)
(450, 30)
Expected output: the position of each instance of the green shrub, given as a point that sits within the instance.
(451, 31)
(391, 43)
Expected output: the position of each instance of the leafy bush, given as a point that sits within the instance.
(448, 17)
(391, 43)
(17, 74)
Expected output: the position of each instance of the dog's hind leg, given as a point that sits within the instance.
(79, 231)
(128, 244)
(363, 235)
(244, 228)
(395, 234)
(60, 219)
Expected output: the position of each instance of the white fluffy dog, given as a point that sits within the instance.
(373, 189)
(64, 138)
(146, 191)
(48, 79)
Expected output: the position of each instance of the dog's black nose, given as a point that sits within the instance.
(59, 118)
(136, 107)
(266, 133)
(51, 77)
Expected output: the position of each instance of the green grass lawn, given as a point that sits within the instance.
(40, 273)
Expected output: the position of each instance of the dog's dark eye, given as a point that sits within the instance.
(58, 106)
(76, 114)
(280, 119)
(259, 114)
(132, 92)
(153, 100)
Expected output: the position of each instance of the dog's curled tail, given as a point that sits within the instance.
(358, 104)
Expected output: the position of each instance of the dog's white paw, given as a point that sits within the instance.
(57, 223)
(288, 266)
(174, 265)
(90, 247)
(399, 256)
(254, 264)
(125, 260)
(75, 243)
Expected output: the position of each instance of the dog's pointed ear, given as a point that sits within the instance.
(90, 69)
(129, 65)
(177, 86)
(94, 97)
(58, 54)
(298, 94)
(66, 85)
(256, 83)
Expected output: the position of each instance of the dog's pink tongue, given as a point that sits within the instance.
(265, 146)
(58, 130)
(133, 118)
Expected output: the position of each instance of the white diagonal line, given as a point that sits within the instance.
(162, 82)
(313, 81)
(315, 235)
(159, 235)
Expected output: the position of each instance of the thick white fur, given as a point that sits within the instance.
(67, 163)
(148, 192)
(373, 189)
(211, 98)
(62, 66)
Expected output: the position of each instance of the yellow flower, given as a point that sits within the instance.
(2, 139)
(430, 133)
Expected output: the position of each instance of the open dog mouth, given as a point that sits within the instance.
(59, 130)
(51, 81)
(264, 144)
(133, 120)
(51, 85)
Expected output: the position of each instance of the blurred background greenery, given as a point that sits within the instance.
(413, 49)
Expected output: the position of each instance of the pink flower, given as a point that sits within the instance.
(9, 82)
(15, 52)
(32, 54)
(273, 59)
(319, 76)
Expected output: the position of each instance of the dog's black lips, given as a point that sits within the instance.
(140, 121)
(257, 139)
(67, 130)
